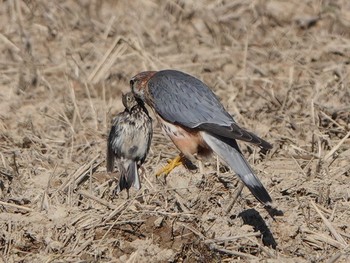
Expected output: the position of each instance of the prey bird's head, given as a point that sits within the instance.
(129, 101)
(139, 82)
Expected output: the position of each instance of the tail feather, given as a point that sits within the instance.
(129, 176)
(228, 151)
(134, 176)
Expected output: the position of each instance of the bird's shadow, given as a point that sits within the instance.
(253, 218)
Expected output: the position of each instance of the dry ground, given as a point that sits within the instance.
(280, 67)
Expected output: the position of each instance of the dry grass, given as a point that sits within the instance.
(281, 67)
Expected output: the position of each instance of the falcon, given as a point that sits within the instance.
(129, 141)
(197, 123)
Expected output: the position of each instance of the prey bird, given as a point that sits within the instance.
(197, 123)
(129, 142)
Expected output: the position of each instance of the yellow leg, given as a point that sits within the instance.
(170, 166)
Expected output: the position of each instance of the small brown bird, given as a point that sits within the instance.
(197, 123)
(129, 142)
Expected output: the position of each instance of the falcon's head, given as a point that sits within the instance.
(139, 82)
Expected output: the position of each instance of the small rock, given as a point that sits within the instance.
(158, 222)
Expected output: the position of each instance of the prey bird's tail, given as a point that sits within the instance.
(228, 150)
(129, 176)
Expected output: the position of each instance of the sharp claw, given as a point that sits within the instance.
(170, 166)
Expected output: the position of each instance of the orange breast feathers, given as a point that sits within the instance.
(188, 141)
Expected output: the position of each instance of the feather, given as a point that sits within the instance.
(230, 153)
(129, 176)
(184, 100)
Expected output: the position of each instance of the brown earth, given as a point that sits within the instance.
(282, 68)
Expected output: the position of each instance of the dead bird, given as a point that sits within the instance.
(129, 142)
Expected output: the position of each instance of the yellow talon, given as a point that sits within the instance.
(170, 166)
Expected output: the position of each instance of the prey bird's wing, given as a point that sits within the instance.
(113, 149)
(182, 99)
(116, 143)
(228, 151)
(110, 158)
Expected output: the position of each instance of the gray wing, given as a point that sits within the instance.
(180, 98)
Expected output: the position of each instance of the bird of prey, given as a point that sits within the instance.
(129, 142)
(197, 123)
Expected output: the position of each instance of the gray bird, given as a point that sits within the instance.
(129, 142)
(197, 123)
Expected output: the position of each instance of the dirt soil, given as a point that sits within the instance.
(281, 68)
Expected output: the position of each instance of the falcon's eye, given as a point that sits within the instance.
(132, 82)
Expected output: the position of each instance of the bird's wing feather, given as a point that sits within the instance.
(110, 158)
(236, 132)
(111, 149)
(181, 98)
(195, 106)
(117, 134)
(229, 152)
(116, 146)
